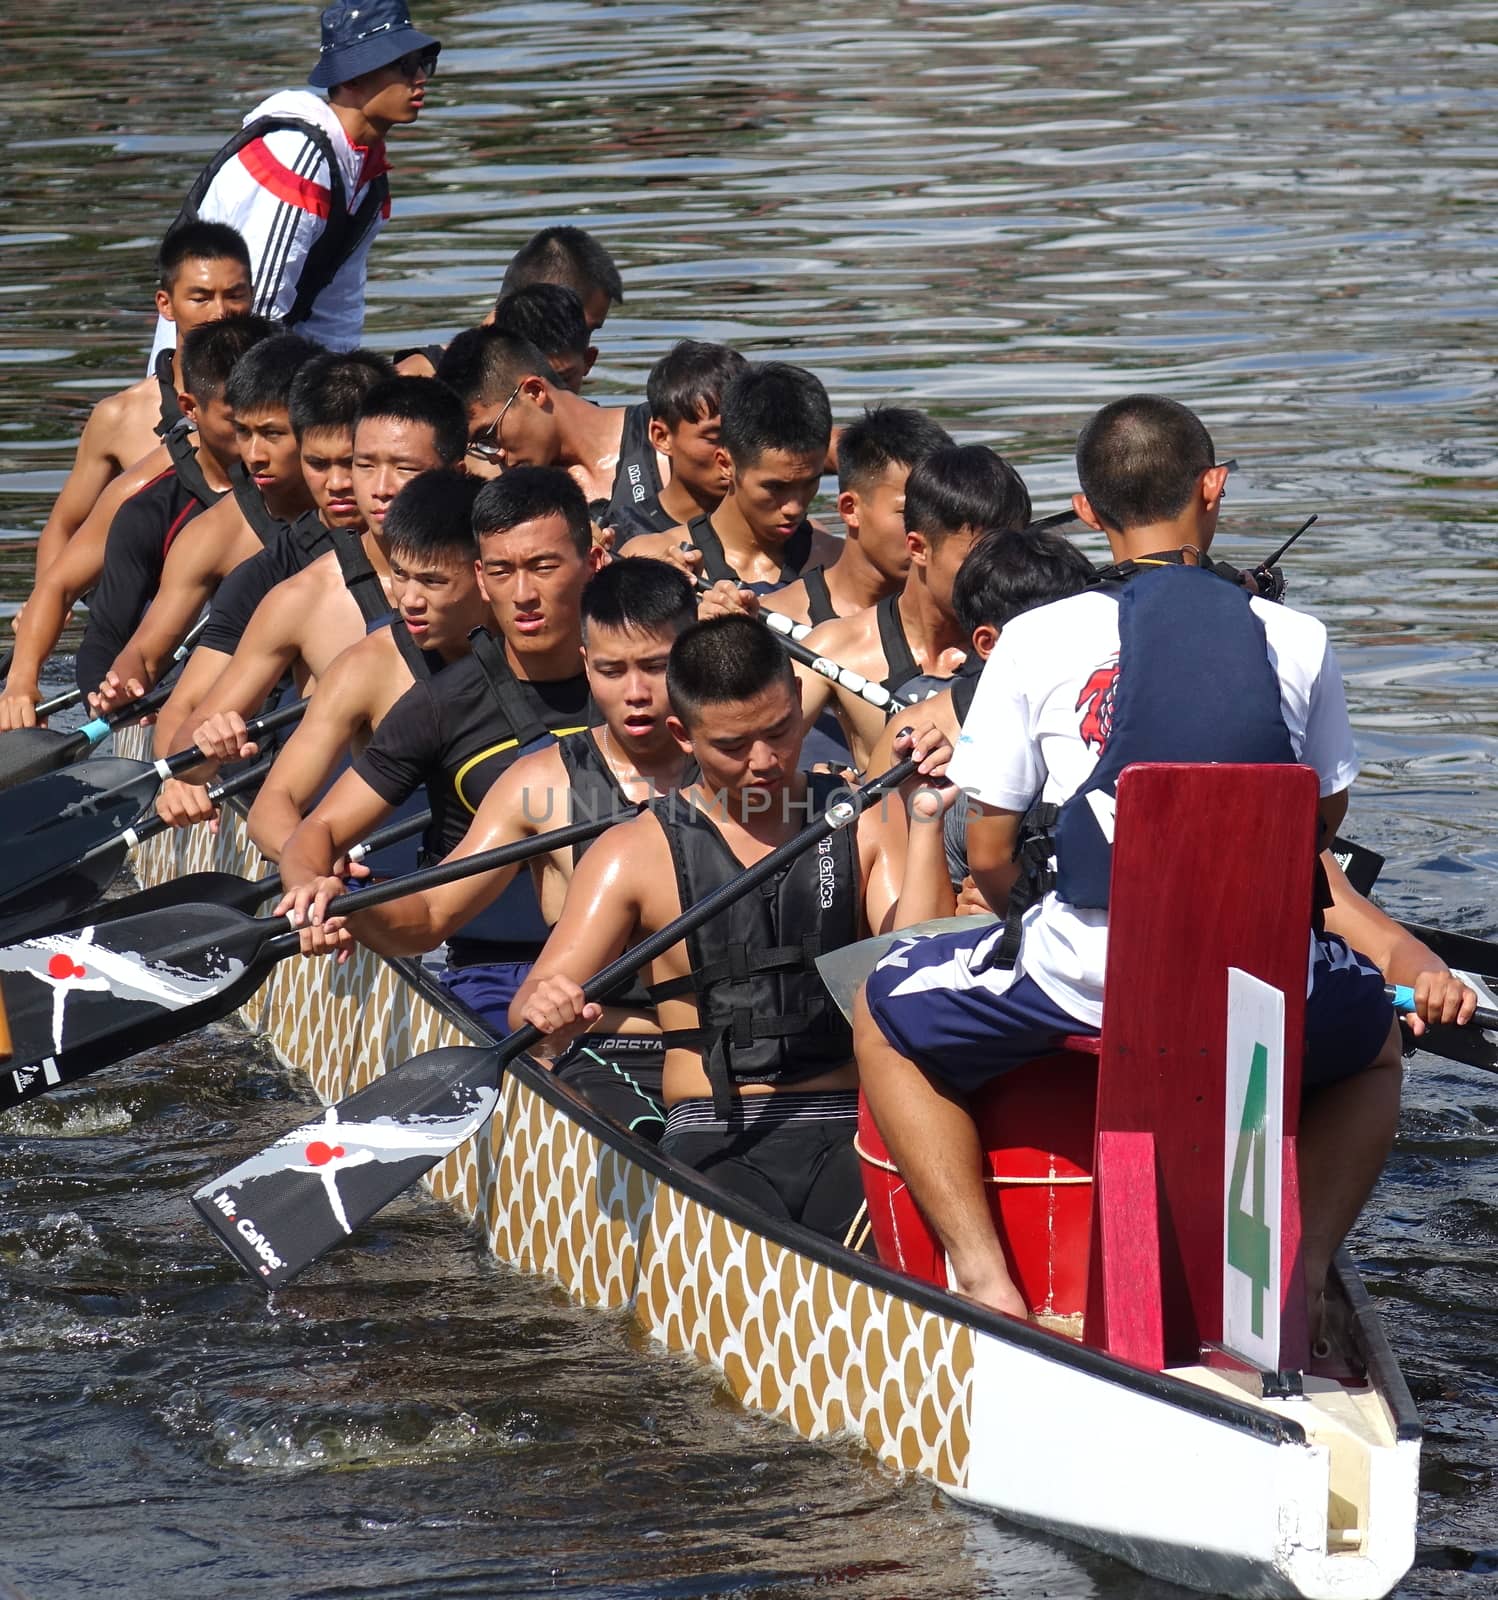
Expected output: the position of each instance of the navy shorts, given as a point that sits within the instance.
(938, 1003)
(488, 990)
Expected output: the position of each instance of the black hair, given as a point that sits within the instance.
(199, 241)
(639, 594)
(964, 486)
(210, 351)
(687, 383)
(724, 658)
(329, 390)
(1139, 458)
(772, 405)
(568, 256)
(432, 516)
(549, 315)
(262, 377)
(525, 493)
(484, 366)
(1007, 573)
(422, 401)
(883, 437)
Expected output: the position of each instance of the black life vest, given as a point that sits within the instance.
(166, 384)
(634, 504)
(359, 576)
(344, 231)
(764, 1015)
(263, 523)
(308, 538)
(525, 726)
(819, 607)
(715, 563)
(900, 665)
(423, 664)
(181, 447)
(1193, 683)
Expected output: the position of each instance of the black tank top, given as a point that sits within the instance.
(764, 1014)
(715, 563)
(899, 662)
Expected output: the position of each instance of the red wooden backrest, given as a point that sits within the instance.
(1212, 868)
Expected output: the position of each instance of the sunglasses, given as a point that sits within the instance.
(419, 64)
(485, 444)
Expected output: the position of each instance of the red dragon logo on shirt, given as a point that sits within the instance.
(1096, 703)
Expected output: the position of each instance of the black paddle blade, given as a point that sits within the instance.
(63, 900)
(1460, 951)
(29, 752)
(41, 802)
(208, 888)
(286, 1207)
(57, 846)
(81, 1001)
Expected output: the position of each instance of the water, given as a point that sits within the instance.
(1280, 213)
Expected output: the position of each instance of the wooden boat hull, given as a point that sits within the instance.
(1190, 1480)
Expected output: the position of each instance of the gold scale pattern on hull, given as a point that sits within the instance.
(791, 1337)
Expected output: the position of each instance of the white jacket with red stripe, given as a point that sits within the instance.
(276, 193)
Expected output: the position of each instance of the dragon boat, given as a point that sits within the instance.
(1165, 1408)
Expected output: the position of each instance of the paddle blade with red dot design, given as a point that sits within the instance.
(79, 1001)
(291, 1203)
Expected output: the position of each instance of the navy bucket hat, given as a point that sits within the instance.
(362, 36)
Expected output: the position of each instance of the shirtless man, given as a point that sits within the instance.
(951, 497)
(143, 528)
(769, 1116)
(682, 414)
(406, 427)
(266, 489)
(776, 429)
(457, 734)
(429, 528)
(204, 276)
(519, 415)
(874, 459)
(632, 612)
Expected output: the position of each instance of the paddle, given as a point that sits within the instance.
(29, 752)
(65, 807)
(1460, 951)
(24, 751)
(217, 888)
(55, 897)
(82, 1000)
(286, 1207)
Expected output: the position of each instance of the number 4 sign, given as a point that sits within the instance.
(1253, 1147)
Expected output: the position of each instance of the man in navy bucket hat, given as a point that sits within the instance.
(305, 179)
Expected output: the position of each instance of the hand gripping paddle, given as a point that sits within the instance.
(286, 1207)
(83, 1000)
(58, 819)
(27, 753)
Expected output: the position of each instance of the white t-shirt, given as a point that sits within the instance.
(1034, 732)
